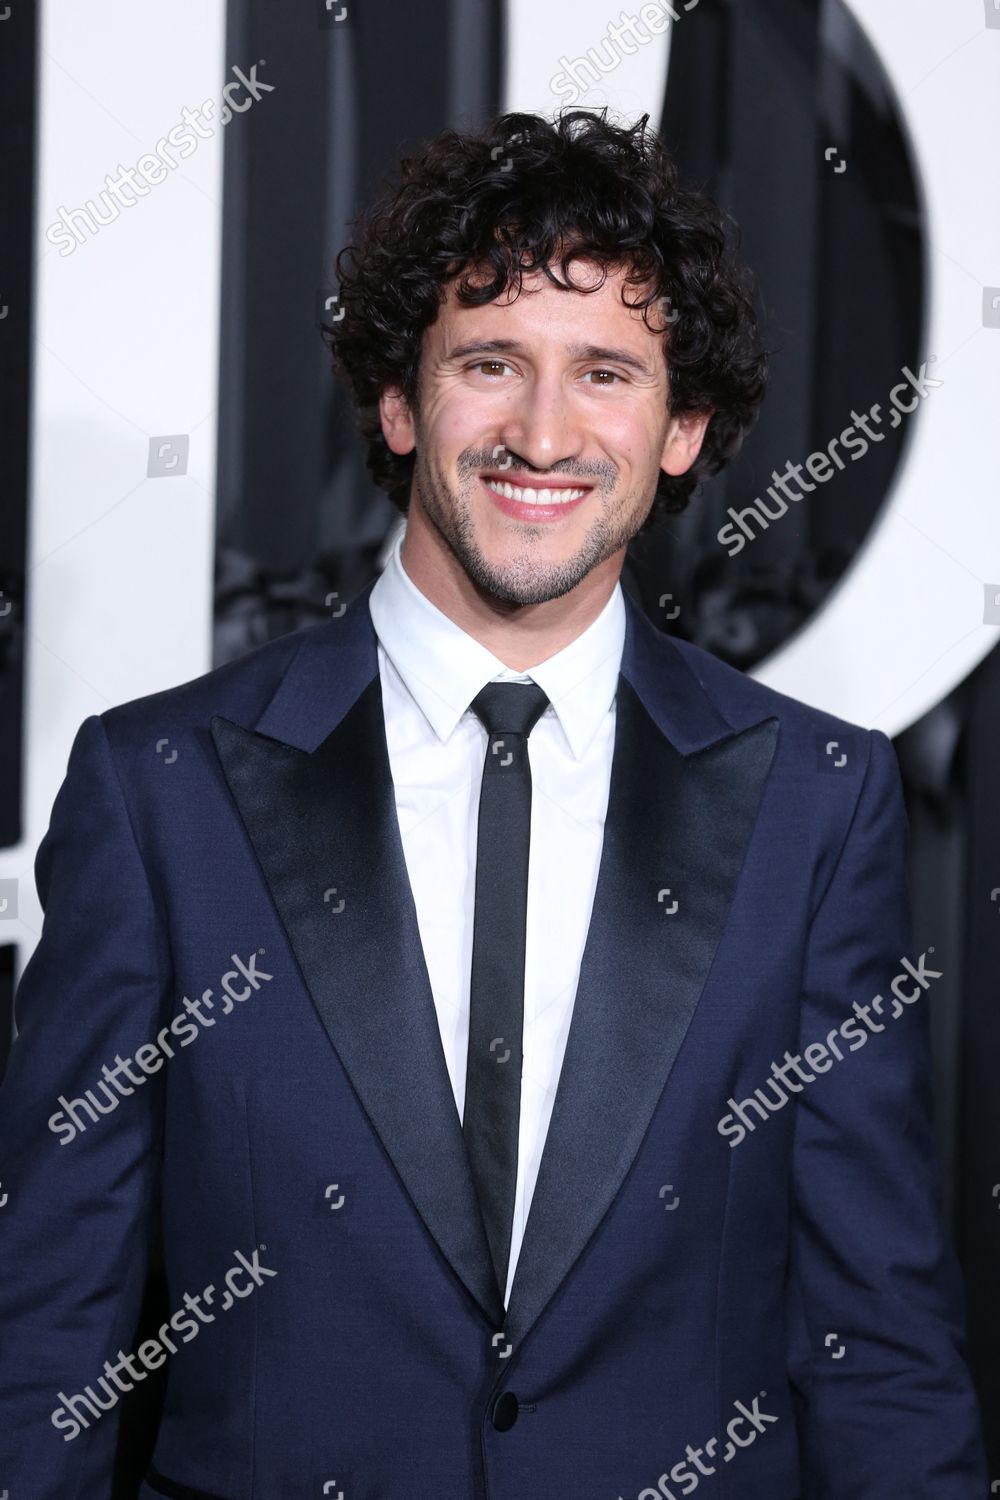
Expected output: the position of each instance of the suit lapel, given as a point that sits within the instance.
(312, 782)
(320, 814)
(675, 835)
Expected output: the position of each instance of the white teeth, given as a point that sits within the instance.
(534, 497)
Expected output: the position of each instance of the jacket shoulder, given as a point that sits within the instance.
(239, 690)
(742, 698)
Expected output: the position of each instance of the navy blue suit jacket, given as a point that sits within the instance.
(755, 1300)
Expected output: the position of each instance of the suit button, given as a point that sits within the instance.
(505, 1411)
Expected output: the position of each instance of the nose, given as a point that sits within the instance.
(541, 426)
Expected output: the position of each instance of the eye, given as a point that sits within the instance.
(613, 373)
(491, 365)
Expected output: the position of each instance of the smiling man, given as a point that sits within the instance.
(522, 543)
(542, 896)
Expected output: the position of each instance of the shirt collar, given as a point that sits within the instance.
(443, 667)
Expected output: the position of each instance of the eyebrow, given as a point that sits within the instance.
(598, 352)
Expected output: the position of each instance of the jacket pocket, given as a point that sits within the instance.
(161, 1485)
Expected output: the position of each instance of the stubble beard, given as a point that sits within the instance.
(524, 579)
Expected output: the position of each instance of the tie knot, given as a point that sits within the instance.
(510, 707)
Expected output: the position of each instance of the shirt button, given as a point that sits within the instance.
(505, 1411)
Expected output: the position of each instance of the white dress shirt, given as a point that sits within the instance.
(430, 670)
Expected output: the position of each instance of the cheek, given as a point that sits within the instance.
(449, 426)
(634, 446)
(633, 431)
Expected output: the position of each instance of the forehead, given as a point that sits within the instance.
(592, 302)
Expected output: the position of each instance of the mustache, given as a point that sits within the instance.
(474, 460)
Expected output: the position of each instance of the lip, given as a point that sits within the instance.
(521, 510)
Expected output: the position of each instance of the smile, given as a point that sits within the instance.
(528, 495)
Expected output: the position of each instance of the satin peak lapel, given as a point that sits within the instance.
(685, 789)
(318, 806)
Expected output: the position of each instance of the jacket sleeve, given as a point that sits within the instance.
(884, 1396)
(79, 1199)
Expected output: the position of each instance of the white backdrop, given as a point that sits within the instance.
(119, 589)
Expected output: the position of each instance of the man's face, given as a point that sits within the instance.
(559, 395)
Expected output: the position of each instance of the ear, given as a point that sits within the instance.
(397, 421)
(683, 442)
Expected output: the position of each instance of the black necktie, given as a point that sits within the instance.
(491, 1116)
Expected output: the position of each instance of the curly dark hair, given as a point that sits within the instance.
(507, 199)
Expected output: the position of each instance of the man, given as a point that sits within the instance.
(511, 1012)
